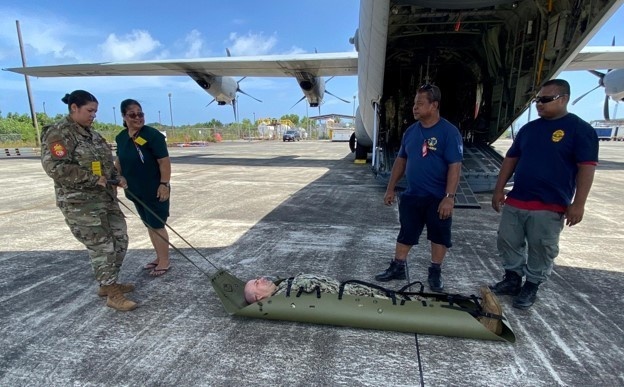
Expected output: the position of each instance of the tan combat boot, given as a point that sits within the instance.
(125, 288)
(491, 305)
(116, 299)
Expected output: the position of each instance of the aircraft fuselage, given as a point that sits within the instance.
(489, 59)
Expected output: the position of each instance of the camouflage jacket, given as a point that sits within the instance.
(75, 157)
(309, 282)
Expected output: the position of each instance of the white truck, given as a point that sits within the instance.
(341, 134)
(609, 130)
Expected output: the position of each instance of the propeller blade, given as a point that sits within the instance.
(598, 74)
(227, 50)
(332, 94)
(234, 108)
(242, 92)
(330, 78)
(302, 98)
(210, 102)
(606, 108)
(241, 79)
(579, 98)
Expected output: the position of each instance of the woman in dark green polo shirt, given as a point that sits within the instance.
(142, 156)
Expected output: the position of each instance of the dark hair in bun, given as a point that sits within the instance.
(78, 97)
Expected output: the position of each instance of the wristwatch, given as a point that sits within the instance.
(165, 183)
(449, 195)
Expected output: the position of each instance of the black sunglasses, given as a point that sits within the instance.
(429, 89)
(547, 99)
(134, 115)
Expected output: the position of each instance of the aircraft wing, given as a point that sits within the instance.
(597, 58)
(326, 64)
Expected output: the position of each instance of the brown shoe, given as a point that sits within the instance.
(125, 288)
(491, 305)
(116, 299)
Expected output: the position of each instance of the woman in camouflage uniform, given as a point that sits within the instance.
(80, 162)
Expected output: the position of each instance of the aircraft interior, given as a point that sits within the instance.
(487, 57)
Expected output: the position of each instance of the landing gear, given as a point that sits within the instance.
(361, 154)
(352, 142)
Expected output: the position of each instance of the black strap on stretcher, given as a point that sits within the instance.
(389, 293)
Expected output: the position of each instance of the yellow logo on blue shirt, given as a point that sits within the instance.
(558, 135)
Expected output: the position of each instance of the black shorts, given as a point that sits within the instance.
(417, 212)
(161, 209)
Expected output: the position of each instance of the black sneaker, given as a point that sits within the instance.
(435, 279)
(527, 296)
(395, 271)
(510, 285)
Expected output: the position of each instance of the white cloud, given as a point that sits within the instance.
(195, 43)
(250, 44)
(295, 50)
(133, 46)
(41, 36)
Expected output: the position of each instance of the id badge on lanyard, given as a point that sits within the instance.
(139, 141)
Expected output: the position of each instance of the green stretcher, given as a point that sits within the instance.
(441, 314)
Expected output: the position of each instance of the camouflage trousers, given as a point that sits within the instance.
(103, 231)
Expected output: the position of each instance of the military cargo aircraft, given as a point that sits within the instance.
(487, 56)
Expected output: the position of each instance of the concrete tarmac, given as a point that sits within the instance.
(278, 208)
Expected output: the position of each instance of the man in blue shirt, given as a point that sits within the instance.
(553, 160)
(430, 157)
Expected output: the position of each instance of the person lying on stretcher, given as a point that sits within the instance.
(262, 287)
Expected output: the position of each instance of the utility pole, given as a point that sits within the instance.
(30, 99)
(114, 116)
(171, 112)
(308, 117)
(254, 122)
(159, 122)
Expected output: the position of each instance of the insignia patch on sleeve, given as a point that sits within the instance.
(58, 150)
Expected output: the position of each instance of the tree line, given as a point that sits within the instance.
(18, 130)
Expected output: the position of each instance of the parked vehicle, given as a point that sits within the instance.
(291, 135)
(612, 130)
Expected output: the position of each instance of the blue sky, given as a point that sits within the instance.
(75, 32)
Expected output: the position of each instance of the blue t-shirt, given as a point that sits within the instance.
(429, 151)
(548, 152)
